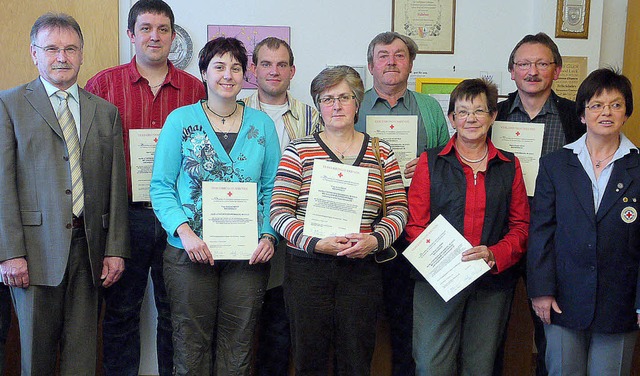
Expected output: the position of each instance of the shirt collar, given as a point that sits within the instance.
(403, 100)
(548, 107)
(51, 90)
(135, 76)
(291, 105)
(580, 145)
(493, 151)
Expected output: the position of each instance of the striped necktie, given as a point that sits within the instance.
(68, 125)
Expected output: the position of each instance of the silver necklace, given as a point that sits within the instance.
(486, 152)
(347, 148)
(599, 162)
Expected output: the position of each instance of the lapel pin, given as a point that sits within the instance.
(624, 199)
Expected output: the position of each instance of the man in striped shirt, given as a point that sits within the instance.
(145, 91)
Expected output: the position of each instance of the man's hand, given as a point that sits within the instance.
(112, 268)
(15, 272)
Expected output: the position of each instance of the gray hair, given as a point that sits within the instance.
(387, 38)
(55, 20)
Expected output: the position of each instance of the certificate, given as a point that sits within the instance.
(401, 132)
(336, 199)
(437, 254)
(525, 141)
(230, 219)
(142, 147)
(430, 23)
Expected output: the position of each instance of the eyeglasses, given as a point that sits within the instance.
(479, 114)
(599, 107)
(54, 51)
(330, 101)
(540, 65)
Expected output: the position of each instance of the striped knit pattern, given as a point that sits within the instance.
(70, 133)
(293, 182)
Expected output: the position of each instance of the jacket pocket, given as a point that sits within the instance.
(31, 218)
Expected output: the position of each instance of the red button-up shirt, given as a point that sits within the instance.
(139, 108)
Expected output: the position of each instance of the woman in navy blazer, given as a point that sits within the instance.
(584, 244)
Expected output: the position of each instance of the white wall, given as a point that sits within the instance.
(329, 32)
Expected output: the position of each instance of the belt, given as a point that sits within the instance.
(141, 205)
(77, 222)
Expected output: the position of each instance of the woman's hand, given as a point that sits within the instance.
(263, 253)
(410, 168)
(542, 306)
(360, 245)
(332, 245)
(480, 252)
(195, 247)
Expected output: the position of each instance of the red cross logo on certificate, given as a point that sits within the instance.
(517, 133)
(392, 126)
(428, 241)
(340, 175)
(229, 193)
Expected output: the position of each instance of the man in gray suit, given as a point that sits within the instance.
(63, 207)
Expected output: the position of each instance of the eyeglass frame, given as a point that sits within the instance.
(479, 114)
(540, 65)
(344, 99)
(610, 105)
(54, 51)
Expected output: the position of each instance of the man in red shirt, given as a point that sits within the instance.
(145, 91)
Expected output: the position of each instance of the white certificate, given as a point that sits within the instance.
(437, 254)
(525, 141)
(336, 199)
(401, 132)
(230, 219)
(142, 147)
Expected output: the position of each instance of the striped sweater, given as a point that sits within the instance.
(293, 182)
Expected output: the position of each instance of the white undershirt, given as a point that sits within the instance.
(275, 112)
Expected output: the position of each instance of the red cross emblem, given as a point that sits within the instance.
(340, 175)
(392, 126)
(517, 133)
(229, 193)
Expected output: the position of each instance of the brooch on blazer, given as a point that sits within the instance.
(629, 214)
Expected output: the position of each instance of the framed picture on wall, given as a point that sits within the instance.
(430, 23)
(572, 19)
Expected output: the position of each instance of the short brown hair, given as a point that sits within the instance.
(330, 77)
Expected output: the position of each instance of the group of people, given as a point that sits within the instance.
(71, 234)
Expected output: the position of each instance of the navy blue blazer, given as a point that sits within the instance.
(588, 261)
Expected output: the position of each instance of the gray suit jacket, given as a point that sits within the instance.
(35, 200)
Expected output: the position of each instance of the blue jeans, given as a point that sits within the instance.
(121, 325)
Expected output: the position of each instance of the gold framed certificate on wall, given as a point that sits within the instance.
(430, 23)
(572, 19)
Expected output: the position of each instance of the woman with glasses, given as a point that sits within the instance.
(584, 248)
(214, 302)
(480, 191)
(332, 285)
